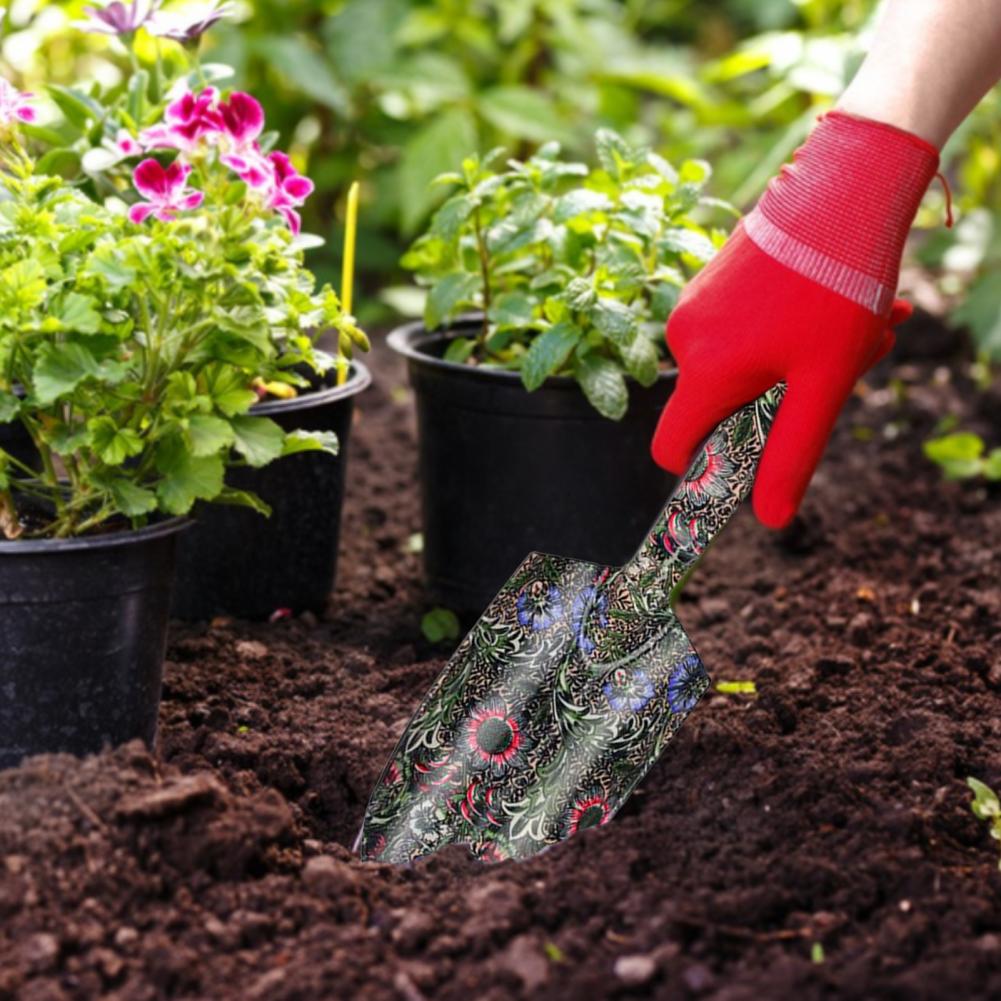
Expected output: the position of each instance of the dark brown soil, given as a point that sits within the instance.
(814, 841)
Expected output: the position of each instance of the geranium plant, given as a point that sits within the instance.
(575, 269)
(150, 296)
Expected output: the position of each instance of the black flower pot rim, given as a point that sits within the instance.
(413, 339)
(126, 537)
(359, 378)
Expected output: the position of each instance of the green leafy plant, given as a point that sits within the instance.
(963, 455)
(575, 269)
(986, 806)
(145, 309)
(440, 624)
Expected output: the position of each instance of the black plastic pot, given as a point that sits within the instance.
(83, 626)
(236, 562)
(15, 440)
(504, 471)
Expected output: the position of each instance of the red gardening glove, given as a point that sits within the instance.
(801, 292)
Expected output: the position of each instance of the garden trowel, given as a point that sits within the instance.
(567, 689)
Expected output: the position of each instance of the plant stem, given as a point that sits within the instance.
(481, 248)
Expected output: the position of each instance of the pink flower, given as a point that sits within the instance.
(118, 18)
(164, 189)
(14, 104)
(289, 189)
(242, 123)
(188, 120)
(242, 118)
(127, 144)
(190, 26)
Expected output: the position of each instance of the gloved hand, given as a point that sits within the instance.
(803, 291)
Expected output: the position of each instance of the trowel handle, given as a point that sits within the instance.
(719, 477)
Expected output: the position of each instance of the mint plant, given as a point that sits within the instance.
(575, 269)
(149, 299)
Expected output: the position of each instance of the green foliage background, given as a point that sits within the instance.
(397, 91)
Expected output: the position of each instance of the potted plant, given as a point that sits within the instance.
(138, 332)
(169, 108)
(535, 415)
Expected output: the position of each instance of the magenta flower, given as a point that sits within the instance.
(242, 122)
(14, 104)
(118, 18)
(188, 120)
(242, 118)
(127, 144)
(164, 190)
(188, 27)
(289, 190)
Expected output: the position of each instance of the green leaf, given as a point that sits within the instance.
(78, 108)
(460, 349)
(958, 455)
(131, 500)
(306, 69)
(227, 387)
(447, 295)
(187, 478)
(207, 435)
(580, 294)
(615, 155)
(357, 38)
(579, 202)
(434, 149)
(310, 441)
(77, 313)
(512, 309)
(663, 299)
(449, 218)
(106, 262)
(440, 624)
(641, 361)
(548, 353)
(523, 112)
(985, 801)
(10, 406)
(58, 161)
(688, 241)
(992, 465)
(113, 444)
(246, 323)
(981, 312)
(258, 439)
(22, 287)
(604, 385)
(614, 319)
(60, 369)
(243, 498)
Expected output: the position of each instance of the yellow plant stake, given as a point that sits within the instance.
(348, 268)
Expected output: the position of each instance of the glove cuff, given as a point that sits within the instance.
(840, 212)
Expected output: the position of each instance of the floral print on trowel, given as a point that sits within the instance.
(567, 689)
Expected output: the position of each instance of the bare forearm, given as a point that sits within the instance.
(930, 62)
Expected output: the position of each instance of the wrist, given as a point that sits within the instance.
(840, 212)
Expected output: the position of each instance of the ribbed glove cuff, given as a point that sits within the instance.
(840, 212)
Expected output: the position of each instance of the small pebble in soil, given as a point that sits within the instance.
(328, 877)
(413, 930)
(635, 970)
(251, 649)
(525, 960)
(860, 628)
(40, 952)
